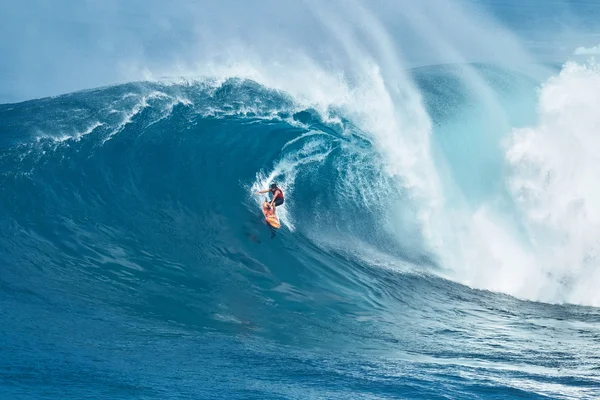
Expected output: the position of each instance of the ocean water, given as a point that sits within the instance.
(439, 240)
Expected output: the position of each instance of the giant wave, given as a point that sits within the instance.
(132, 206)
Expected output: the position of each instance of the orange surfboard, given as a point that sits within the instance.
(270, 216)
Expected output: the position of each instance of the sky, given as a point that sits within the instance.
(54, 47)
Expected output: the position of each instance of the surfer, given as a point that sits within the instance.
(278, 197)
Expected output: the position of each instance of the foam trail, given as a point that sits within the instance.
(284, 173)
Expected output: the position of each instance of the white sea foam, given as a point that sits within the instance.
(554, 176)
(284, 173)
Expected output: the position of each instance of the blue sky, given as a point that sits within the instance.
(53, 47)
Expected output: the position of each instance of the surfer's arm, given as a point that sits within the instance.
(262, 191)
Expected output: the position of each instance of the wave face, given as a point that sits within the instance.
(136, 262)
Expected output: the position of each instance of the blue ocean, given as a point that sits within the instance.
(440, 235)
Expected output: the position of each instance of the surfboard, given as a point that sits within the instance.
(270, 216)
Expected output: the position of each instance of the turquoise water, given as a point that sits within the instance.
(441, 229)
(137, 264)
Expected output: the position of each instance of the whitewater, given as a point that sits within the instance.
(440, 237)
